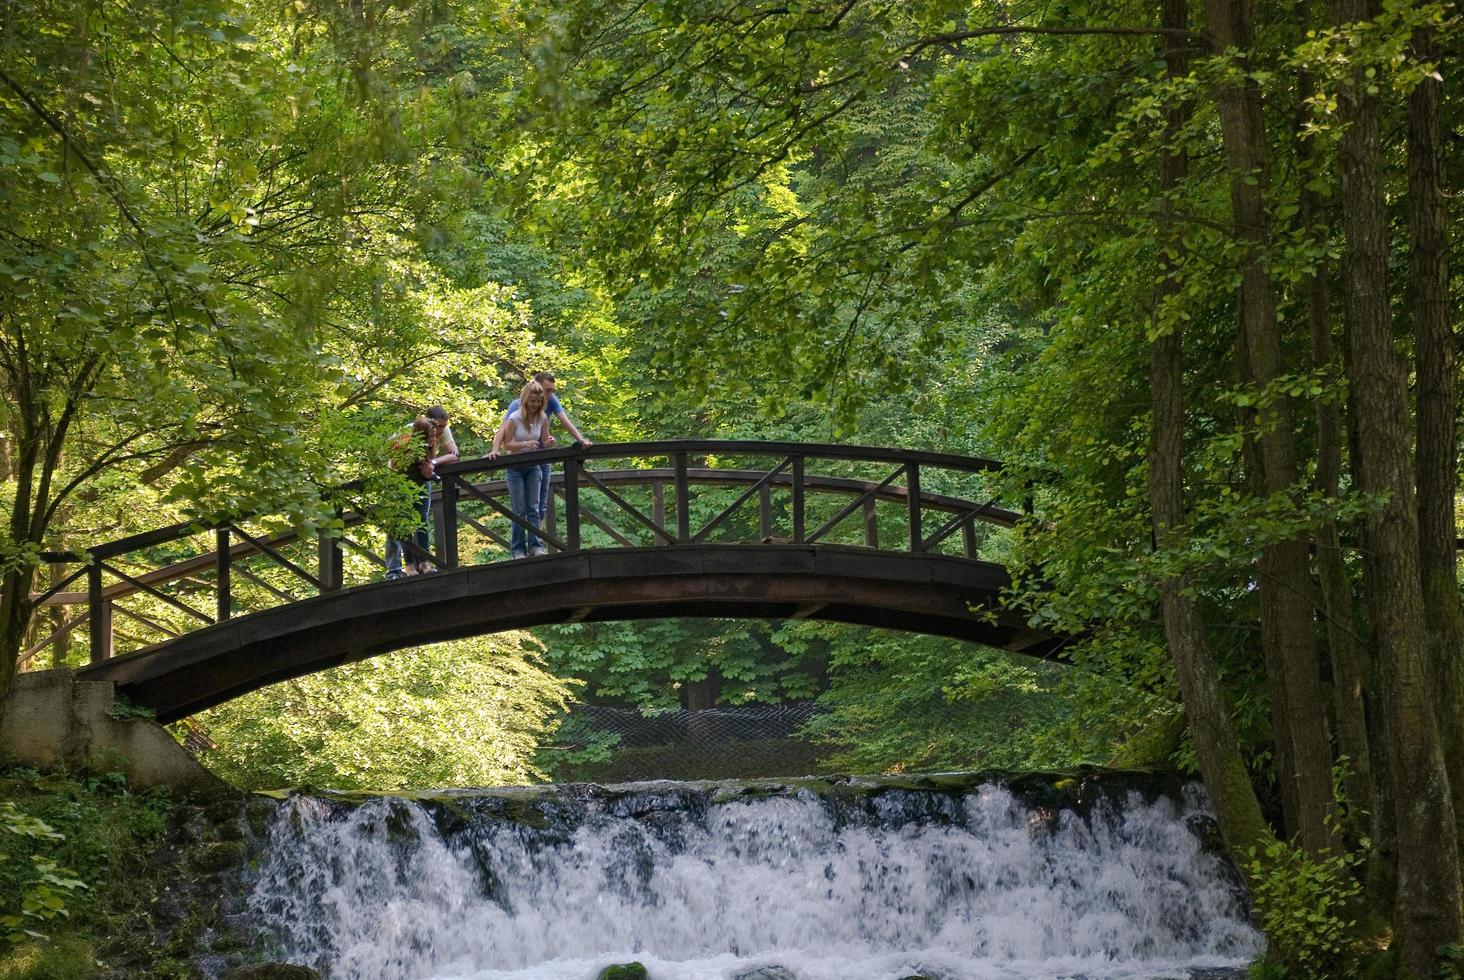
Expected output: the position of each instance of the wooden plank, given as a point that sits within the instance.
(912, 504)
(700, 476)
(278, 558)
(117, 607)
(521, 521)
(330, 561)
(683, 498)
(224, 558)
(41, 599)
(945, 531)
(798, 503)
(59, 633)
(362, 550)
(731, 447)
(486, 532)
(727, 512)
(99, 612)
(604, 525)
(571, 506)
(170, 600)
(249, 576)
(446, 515)
(658, 502)
(892, 590)
(550, 517)
(627, 506)
(854, 505)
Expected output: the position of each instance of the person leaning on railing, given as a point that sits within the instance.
(525, 429)
(554, 410)
(419, 451)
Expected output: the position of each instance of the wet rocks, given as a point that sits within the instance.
(766, 973)
(272, 971)
(623, 971)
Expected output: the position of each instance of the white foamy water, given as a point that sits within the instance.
(973, 887)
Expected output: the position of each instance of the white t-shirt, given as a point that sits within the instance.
(519, 431)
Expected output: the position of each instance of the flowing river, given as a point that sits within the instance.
(1099, 877)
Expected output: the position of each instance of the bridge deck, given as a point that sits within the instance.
(942, 596)
(865, 541)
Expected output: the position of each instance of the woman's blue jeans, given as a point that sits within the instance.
(524, 483)
(420, 537)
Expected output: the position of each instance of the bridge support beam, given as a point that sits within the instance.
(100, 614)
(929, 594)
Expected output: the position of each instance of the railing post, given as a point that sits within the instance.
(223, 563)
(332, 562)
(550, 517)
(765, 513)
(571, 504)
(871, 524)
(683, 499)
(798, 500)
(658, 506)
(444, 514)
(968, 538)
(912, 490)
(99, 614)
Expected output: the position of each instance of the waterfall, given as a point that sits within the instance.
(840, 880)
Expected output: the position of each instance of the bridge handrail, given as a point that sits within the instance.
(945, 503)
(731, 447)
(616, 450)
(788, 471)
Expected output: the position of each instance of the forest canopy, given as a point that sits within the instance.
(1183, 266)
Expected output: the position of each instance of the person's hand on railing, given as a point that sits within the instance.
(492, 454)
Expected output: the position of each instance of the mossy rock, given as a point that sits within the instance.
(623, 971)
(272, 971)
(220, 856)
(66, 958)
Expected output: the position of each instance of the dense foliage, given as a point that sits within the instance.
(72, 854)
(467, 713)
(1185, 266)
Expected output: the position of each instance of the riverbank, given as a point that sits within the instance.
(98, 880)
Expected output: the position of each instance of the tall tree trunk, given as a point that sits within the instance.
(15, 582)
(1426, 911)
(1345, 649)
(1437, 400)
(15, 616)
(1206, 710)
(1288, 627)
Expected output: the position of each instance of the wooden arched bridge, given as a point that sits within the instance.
(183, 618)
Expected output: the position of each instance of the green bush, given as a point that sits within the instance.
(41, 887)
(1303, 905)
(70, 851)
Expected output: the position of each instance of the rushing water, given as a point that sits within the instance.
(850, 880)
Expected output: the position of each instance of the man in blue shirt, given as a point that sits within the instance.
(554, 410)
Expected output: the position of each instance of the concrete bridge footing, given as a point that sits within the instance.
(54, 721)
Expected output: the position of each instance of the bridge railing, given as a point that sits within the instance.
(151, 587)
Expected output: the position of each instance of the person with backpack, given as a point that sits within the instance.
(416, 454)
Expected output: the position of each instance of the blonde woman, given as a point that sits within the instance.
(524, 430)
